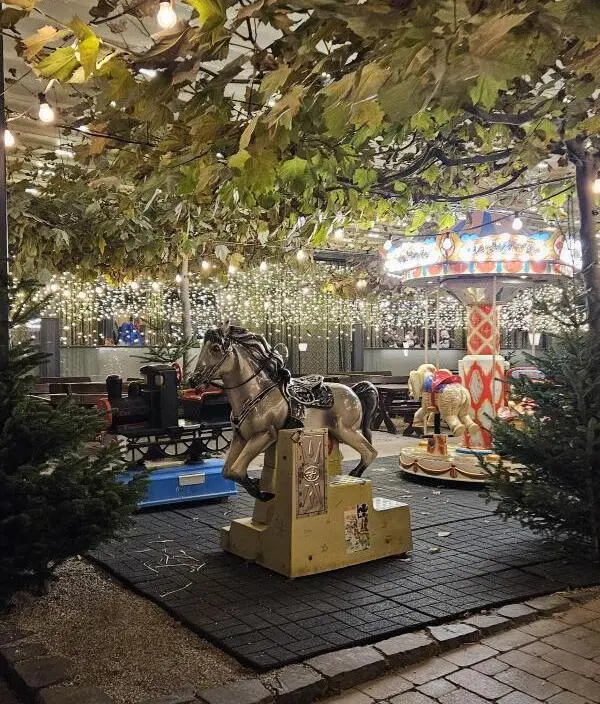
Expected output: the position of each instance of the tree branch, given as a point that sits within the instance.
(503, 118)
(495, 189)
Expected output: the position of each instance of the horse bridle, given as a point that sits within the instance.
(207, 376)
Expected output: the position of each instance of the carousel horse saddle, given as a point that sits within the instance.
(308, 392)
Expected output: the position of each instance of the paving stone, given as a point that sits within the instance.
(530, 684)
(32, 675)
(582, 632)
(452, 634)
(241, 692)
(544, 627)
(578, 616)
(575, 663)
(549, 604)
(296, 684)
(478, 683)
(593, 605)
(508, 640)
(408, 648)
(490, 667)
(352, 696)
(9, 635)
(386, 687)
(89, 695)
(567, 698)
(412, 698)
(471, 654)
(586, 688)
(22, 651)
(518, 698)
(517, 613)
(436, 688)
(347, 668)
(488, 623)
(428, 670)
(579, 646)
(462, 696)
(537, 648)
(529, 663)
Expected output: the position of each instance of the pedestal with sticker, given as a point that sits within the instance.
(317, 521)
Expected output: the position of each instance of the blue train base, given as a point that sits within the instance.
(173, 482)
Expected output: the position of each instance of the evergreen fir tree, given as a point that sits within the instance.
(58, 491)
(558, 446)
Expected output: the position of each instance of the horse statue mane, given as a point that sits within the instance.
(259, 349)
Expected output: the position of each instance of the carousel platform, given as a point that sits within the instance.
(463, 558)
(454, 466)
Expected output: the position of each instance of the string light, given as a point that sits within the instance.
(387, 245)
(166, 17)
(596, 186)
(46, 113)
(263, 266)
(301, 255)
(338, 233)
(205, 265)
(9, 139)
(517, 223)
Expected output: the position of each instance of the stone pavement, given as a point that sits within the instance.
(554, 659)
(464, 559)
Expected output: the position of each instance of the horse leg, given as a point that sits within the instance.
(256, 444)
(358, 442)
(236, 446)
(456, 427)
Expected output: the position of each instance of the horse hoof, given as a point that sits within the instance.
(357, 471)
(265, 496)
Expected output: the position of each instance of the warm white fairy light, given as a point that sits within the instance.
(166, 17)
(9, 139)
(263, 266)
(301, 255)
(45, 112)
(517, 223)
(596, 186)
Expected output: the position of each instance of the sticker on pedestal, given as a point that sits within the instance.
(356, 528)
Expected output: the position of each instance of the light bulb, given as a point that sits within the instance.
(387, 245)
(338, 233)
(9, 139)
(46, 113)
(301, 255)
(205, 264)
(231, 269)
(166, 17)
(447, 243)
(263, 266)
(517, 223)
(178, 278)
(361, 283)
(595, 185)
(155, 286)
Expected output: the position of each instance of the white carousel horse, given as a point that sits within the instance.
(264, 400)
(451, 398)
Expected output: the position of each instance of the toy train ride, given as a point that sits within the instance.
(172, 437)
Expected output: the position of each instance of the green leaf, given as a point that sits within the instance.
(364, 177)
(60, 64)
(238, 160)
(36, 42)
(273, 81)
(418, 219)
(485, 91)
(222, 252)
(446, 221)
(293, 169)
(88, 53)
(400, 186)
(210, 12)
(80, 29)
(482, 203)
(485, 38)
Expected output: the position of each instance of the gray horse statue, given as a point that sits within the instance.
(264, 399)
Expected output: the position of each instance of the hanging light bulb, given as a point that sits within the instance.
(387, 245)
(166, 17)
(9, 139)
(46, 113)
(517, 223)
(178, 278)
(231, 269)
(263, 266)
(205, 265)
(447, 243)
(338, 233)
(596, 186)
(301, 255)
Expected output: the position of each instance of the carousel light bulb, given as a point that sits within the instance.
(178, 278)
(166, 17)
(517, 223)
(387, 245)
(301, 255)
(361, 283)
(9, 139)
(447, 243)
(596, 186)
(263, 266)
(231, 269)
(46, 113)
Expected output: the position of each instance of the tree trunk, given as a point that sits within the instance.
(186, 312)
(586, 171)
(4, 273)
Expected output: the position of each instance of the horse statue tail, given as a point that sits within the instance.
(369, 400)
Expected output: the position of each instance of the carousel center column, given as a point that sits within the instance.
(482, 368)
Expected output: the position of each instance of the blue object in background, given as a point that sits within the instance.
(184, 482)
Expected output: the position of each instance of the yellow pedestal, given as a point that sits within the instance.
(316, 522)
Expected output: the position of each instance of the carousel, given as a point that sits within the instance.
(484, 261)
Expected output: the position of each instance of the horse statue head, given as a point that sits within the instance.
(227, 347)
(416, 379)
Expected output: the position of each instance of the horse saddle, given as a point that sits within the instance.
(308, 392)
